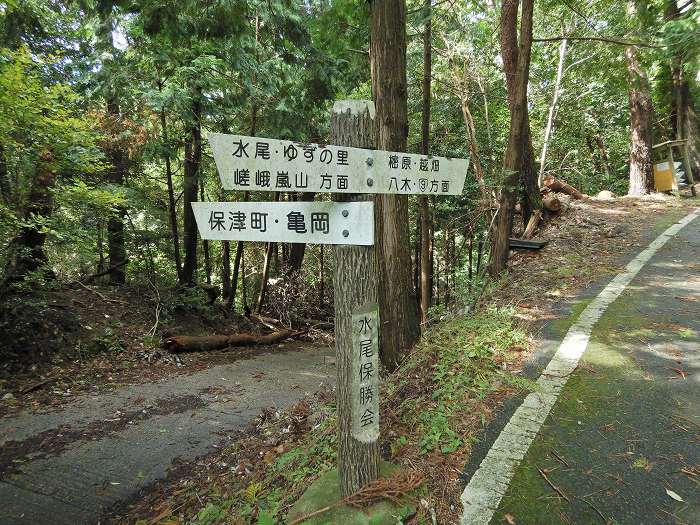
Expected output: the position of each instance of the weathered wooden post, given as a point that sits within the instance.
(355, 287)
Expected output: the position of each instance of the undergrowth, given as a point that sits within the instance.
(432, 409)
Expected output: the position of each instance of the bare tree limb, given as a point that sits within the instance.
(597, 39)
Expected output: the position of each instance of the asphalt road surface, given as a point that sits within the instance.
(70, 465)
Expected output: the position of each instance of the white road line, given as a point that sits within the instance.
(483, 494)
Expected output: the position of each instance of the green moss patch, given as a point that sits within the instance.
(325, 492)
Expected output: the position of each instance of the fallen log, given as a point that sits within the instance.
(551, 203)
(532, 224)
(188, 343)
(559, 185)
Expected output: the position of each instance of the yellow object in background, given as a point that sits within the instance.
(663, 177)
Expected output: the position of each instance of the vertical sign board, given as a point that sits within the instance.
(307, 222)
(364, 399)
(259, 164)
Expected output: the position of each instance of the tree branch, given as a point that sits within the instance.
(597, 39)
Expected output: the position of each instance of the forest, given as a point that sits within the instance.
(105, 110)
(106, 106)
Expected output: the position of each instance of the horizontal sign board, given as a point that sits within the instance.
(307, 222)
(259, 164)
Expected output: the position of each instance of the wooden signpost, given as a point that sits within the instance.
(352, 170)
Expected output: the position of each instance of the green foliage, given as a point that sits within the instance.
(461, 356)
(107, 341)
(185, 300)
(209, 515)
(35, 117)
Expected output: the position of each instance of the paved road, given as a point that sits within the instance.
(67, 467)
(626, 426)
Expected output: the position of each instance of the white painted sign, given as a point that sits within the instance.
(364, 400)
(307, 222)
(259, 164)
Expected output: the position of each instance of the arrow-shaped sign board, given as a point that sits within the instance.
(259, 164)
(307, 222)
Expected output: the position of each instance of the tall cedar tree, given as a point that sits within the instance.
(529, 195)
(684, 118)
(425, 289)
(193, 158)
(518, 134)
(398, 308)
(641, 177)
(114, 153)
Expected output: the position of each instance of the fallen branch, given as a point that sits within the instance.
(100, 295)
(595, 509)
(35, 386)
(554, 452)
(187, 343)
(152, 331)
(556, 489)
(107, 271)
(532, 224)
(391, 488)
(559, 185)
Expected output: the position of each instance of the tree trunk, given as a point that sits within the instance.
(321, 281)
(691, 132)
(193, 157)
(475, 156)
(529, 190)
(603, 156)
(517, 136)
(431, 266)
(246, 195)
(226, 295)
(416, 257)
(552, 110)
(5, 186)
(26, 251)
(424, 208)
(237, 264)
(172, 205)
(266, 269)
(267, 263)
(685, 123)
(641, 178)
(244, 287)
(400, 327)
(117, 159)
(205, 242)
(355, 279)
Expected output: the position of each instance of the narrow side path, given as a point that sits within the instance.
(615, 427)
(71, 465)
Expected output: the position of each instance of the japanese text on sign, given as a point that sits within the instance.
(308, 222)
(364, 399)
(251, 163)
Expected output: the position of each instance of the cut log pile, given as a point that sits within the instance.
(550, 202)
(553, 184)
